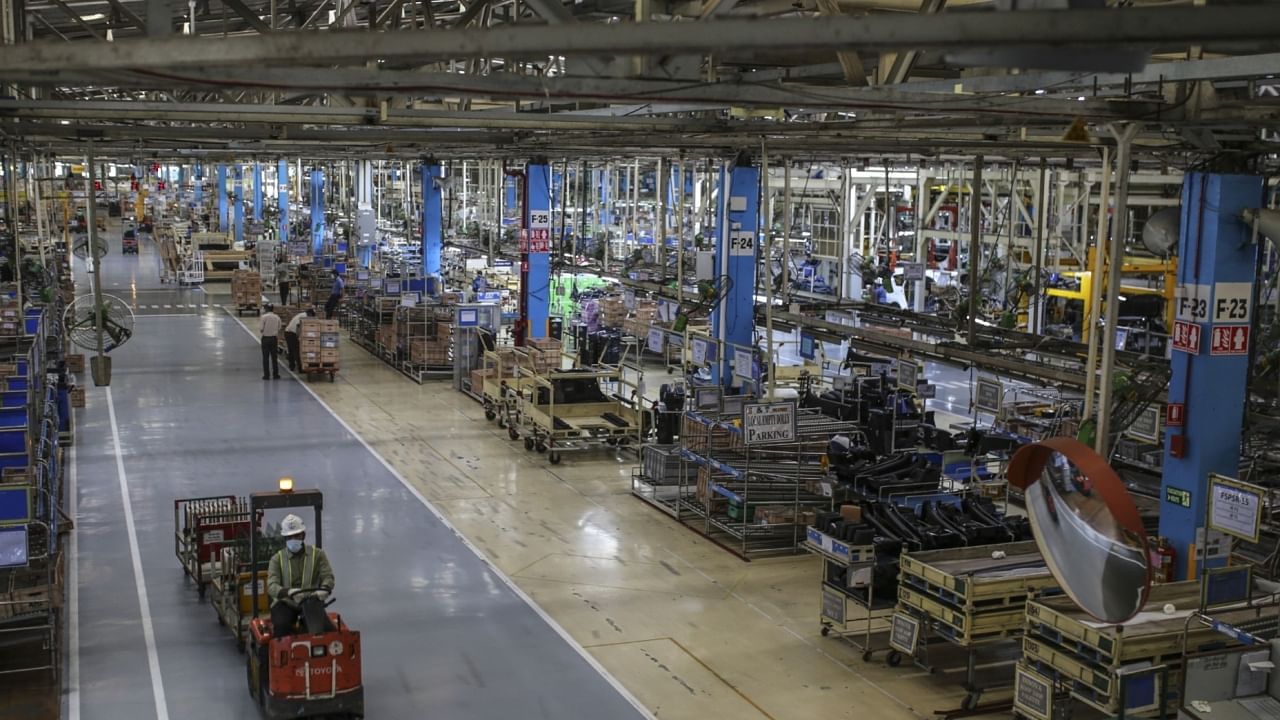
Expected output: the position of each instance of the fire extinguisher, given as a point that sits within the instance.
(1162, 557)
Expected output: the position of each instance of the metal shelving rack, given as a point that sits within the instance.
(754, 500)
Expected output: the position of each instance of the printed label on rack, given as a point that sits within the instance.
(833, 606)
(839, 549)
(539, 218)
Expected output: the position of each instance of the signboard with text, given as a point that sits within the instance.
(768, 422)
(1235, 507)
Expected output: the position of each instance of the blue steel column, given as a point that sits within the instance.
(282, 198)
(198, 186)
(257, 192)
(238, 176)
(224, 220)
(734, 318)
(432, 220)
(317, 212)
(538, 177)
(1214, 247)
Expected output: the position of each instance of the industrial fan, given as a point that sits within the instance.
(81, 322)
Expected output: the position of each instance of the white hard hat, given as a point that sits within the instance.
(291, 526)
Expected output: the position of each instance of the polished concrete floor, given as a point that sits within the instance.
(690, 630)
(443, 633)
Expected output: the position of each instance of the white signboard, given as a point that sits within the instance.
(908, 375)
(769, 422)
(742, 364)
(1147, 425)
(1235, 508)
(629, 299)
(912, 272)
(657, 339)
(539, 218)
(1231, 301)
(1191, 303)
(988, 396)
(742, 242)
(699, 351)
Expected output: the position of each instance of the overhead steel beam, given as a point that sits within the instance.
(128, 14)
(386, 16)
(40, 19)
(472, 12)
(1241, 66)
(850, 63)
(508, 85)
(74, 16)
(900, 63)
(239, 8)
(1127, 27)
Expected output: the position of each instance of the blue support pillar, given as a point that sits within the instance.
(257, 192)
(513, 199)
(224, 219)
(198, 185)
(238, 176)
(317, 212)
(432, 220)
(282, 198)
(1215, 252)
(733, 320)
(538, 221)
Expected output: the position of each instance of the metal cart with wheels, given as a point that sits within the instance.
(848, 583)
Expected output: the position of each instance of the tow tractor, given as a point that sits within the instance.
(302, 675)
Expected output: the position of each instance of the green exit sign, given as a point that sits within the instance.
(1177, 496)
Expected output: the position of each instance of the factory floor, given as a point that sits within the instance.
(688, 629)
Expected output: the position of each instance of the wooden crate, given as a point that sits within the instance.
(77, 396)
(75, 363)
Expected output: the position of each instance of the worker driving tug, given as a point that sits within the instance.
(299, 580)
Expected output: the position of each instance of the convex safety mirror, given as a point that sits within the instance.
(1086, 525)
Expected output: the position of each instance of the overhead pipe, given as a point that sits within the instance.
(1124, 134)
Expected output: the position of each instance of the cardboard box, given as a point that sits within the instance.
(851, 513)
(77, 397)
(75, 363)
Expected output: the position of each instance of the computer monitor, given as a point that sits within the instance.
(391, 287)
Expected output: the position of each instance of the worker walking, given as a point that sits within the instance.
(335, 296)
(282, 281)
(299, 580)
(270, 343)
(291, 338)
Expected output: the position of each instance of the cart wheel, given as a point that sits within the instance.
(970, 701)
(490, 415)
(528, 444)
(826, 630)
(333, 377)
(541, 448)
(513, 433)
(893, 658)
(554, 457)
(867, 655)
(502, 421)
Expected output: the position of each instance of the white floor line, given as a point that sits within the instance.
(73, 596)
(564, 635)
(148, 631)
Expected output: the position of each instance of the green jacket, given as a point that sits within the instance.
(307, 569)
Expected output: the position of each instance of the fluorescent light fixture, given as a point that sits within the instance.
(66, 122)
(1081, 98)
(1040, 92)
(93, 17)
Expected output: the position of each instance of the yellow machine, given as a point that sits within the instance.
(1163, 272)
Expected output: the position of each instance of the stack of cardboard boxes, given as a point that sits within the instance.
(646, 316)
(544, 353)
(246, 288)
(612, 312)
(10, 315)
(318, 343)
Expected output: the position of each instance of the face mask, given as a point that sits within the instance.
(294, 546)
